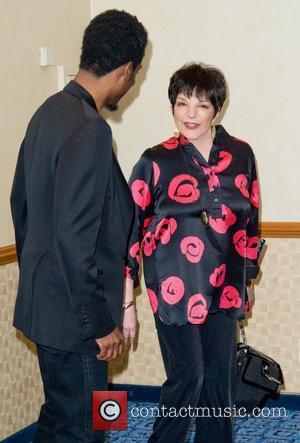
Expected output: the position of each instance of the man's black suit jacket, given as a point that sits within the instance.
(72, 212)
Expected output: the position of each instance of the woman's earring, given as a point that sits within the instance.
(176, 132)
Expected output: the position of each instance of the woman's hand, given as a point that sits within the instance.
(129, 314)
(129, 325)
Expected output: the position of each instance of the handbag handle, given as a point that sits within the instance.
(243, 333)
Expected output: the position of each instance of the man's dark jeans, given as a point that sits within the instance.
(69, 380)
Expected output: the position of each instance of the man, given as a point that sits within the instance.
(72, 213)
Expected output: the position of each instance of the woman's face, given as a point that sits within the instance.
(193, 116)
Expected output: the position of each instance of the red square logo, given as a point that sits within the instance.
(110, 410)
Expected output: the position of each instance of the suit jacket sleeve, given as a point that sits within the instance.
(82, 176)
(18, 203)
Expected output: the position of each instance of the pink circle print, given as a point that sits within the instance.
(153, 300)
(240, 242)
(171, 143)
(141, 193)
(221, 225)
(183, 189)
(165, 228)
(254, 195)
(146, 224)
(241, 183)
(174, 142)
(148, 244)
(193, 248)
(135, 251)
(212, 179)
(224, 161)
(172, 289)
(230, 298)
(251, 251)
(245, 246)
(216, 279)
(197, 309)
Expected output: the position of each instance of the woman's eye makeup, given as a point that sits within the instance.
(200, 105)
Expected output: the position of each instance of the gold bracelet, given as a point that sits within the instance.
(128, 304)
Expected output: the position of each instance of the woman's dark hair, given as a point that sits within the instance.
(205, 80)
(112, 39)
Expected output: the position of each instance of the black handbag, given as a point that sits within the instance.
(258, 376)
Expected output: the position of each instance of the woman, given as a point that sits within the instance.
(196, 199)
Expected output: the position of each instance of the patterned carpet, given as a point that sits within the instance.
(248, 430)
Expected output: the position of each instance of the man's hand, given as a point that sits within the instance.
(129, 324)
(111, 346)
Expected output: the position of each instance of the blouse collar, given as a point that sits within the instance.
(221, 137)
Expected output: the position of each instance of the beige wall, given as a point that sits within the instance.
(274, 329)
(26, 26)
(255, 43)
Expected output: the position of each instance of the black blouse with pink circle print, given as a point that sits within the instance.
(196, 227)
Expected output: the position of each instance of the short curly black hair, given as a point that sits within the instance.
(205, 80)
(112, 39)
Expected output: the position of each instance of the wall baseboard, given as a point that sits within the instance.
(144, 393)
(8, 254)
(280, 229)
